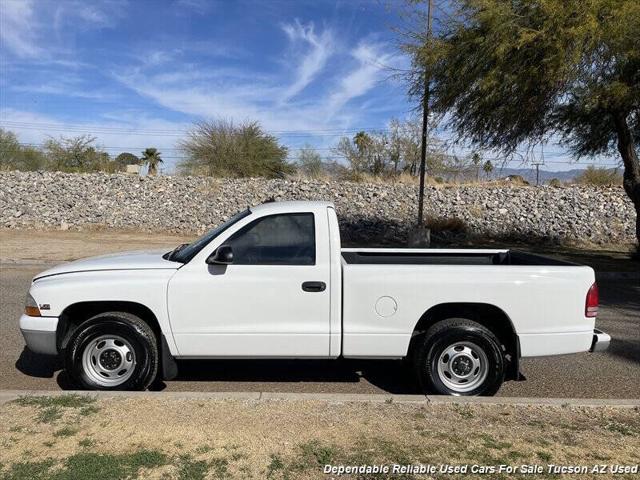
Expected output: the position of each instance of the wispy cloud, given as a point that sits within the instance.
(91, 15)
(239, 94)
(197, 6)
(30, 29)
(371, 59)
(18, 27)
(320, 47)
(65, 90)
(291, 75)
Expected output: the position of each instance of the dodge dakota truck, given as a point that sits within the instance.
(274, 282)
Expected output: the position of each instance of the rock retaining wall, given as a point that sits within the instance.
(370, 213)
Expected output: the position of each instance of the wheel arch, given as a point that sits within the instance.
(76, 314)
(487, 315)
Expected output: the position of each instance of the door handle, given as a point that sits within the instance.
(314, 286)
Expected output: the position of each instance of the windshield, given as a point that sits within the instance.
(186, 253)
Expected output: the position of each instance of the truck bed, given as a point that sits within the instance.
(385, 290)
(408, 256)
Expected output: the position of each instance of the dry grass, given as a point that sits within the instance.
(155, 438)
(446, 224)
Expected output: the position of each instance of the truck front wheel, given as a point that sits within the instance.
(459, 357)
(112, 351)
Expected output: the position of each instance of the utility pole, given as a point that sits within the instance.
(425, 124)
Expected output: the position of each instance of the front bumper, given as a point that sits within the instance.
(600, 341)
(40, 334)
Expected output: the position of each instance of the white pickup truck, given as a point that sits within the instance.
(274, 282)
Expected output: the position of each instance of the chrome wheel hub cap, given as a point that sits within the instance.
(109, 360)
(462, 366)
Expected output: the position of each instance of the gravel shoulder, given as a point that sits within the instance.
(84, 437)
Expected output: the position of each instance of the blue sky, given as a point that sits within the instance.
(139, 73)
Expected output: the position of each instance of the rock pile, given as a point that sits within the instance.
(370, 213)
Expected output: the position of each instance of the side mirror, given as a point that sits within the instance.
(222, 256)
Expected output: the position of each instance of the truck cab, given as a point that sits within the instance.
(272, 296)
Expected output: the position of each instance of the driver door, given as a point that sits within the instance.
(256, 306)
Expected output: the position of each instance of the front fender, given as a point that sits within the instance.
(146, 287)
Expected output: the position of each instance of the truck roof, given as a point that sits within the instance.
(291, 206)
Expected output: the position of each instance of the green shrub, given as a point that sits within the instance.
(599, 176)
(554, 182)
(221, 148)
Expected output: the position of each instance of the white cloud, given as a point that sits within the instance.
(28, 29)
(312, 63)
(242, 95)
(82, 14)
(64, 88)
(182, 77)
(371, 61)
(18, 28)
(244, 100)
(197, 6)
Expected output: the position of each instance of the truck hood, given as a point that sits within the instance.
(138, 260)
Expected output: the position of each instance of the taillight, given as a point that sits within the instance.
(591, 305)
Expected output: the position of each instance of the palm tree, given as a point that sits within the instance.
(476, 159)
(362, 141)
(151, 158)
(488, 168)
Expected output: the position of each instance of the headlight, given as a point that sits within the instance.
(31, 307)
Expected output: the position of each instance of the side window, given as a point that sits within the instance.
(286, 239)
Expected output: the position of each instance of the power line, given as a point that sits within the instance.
(120, 130)
(113, 147)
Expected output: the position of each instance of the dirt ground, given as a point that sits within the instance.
(57, 245)
(81, 437)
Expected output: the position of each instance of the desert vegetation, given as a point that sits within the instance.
(512, 75)
(224, 149)
(80, 154)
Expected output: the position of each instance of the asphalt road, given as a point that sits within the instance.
(611, 374)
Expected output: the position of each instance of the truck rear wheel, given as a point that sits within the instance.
(113, 351)
(459, 357)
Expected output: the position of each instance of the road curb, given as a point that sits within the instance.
(532, 401)
(9, 395)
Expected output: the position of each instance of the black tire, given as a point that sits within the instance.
(432, 347)
(128, 330)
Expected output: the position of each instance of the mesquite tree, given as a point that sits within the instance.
(509, 73)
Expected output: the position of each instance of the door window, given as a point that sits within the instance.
(286, 239)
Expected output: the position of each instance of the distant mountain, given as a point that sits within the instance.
(529, 174)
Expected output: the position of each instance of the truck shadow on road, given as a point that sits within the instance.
(380, 375)
(391, 376)
(38, 365)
